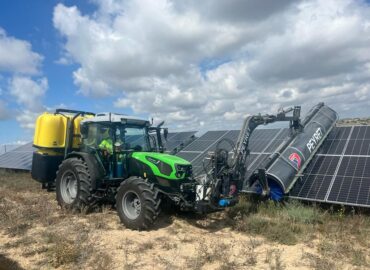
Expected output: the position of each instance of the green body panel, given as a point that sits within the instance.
(149, 159)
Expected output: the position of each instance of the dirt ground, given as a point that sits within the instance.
(36, 234)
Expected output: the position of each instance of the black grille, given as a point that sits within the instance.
(187, 169)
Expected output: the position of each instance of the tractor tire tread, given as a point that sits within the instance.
(150, 202)
(84, 193)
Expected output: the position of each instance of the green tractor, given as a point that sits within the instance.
(118, 159)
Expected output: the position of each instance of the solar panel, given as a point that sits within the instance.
(316, 180)
(232, 135)
(205, 142)
(283, 134)
(213, 135)
(28, 147)
(170, 135)
(340, 173)
(7, 147)
(189, 156)
(312, 187)
(352, 182)
(198, 145)
(176, 141)
(324, 165)
(19, 158)
(359, 142)
(181, 136)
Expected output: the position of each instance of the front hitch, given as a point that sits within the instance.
(209, 198)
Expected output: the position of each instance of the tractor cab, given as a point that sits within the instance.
(114, 137)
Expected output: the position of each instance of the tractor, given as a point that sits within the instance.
(118, 159)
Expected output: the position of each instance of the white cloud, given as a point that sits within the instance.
(17, 56)
(27, 118)
(21, 64)
(200, 65)
(28, 92)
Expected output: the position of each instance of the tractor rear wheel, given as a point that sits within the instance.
(137, 203)
(73, 185)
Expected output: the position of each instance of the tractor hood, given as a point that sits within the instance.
(165, 165)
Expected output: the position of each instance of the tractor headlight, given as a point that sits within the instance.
(183, 171)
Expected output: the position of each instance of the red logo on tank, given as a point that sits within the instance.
(296, 159)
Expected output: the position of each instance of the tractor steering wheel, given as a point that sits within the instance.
(138, 148)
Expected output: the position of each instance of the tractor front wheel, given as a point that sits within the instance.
(137, 203)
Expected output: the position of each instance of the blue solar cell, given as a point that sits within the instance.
(312, 186)
(213, 135)
(16, 160)
(188, 156)
(19, 158)
(177, 141)
(198, 145)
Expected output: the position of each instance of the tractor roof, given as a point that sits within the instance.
(116, 118)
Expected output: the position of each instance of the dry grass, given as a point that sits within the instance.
(36, 234)
(354, 121)
(273, 258)
(317, 262)
(342, 236)
(225, 254)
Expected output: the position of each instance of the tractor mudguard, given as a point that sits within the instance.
(96, 169)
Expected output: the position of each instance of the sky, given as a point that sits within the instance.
(198, 65)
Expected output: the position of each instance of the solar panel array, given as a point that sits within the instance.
(262, 143)
(340, 173)
(19, 158)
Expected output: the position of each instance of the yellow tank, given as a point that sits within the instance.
(51, 131)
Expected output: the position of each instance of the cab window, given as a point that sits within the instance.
(95, 134)
(135, 138)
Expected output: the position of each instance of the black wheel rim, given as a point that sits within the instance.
(131, 205)
(68, 187)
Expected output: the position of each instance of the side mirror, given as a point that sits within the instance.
(165, 133)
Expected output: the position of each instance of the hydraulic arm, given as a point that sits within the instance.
(225, 173)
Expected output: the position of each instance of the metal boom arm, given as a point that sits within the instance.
(241, 150)
(225, 177)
